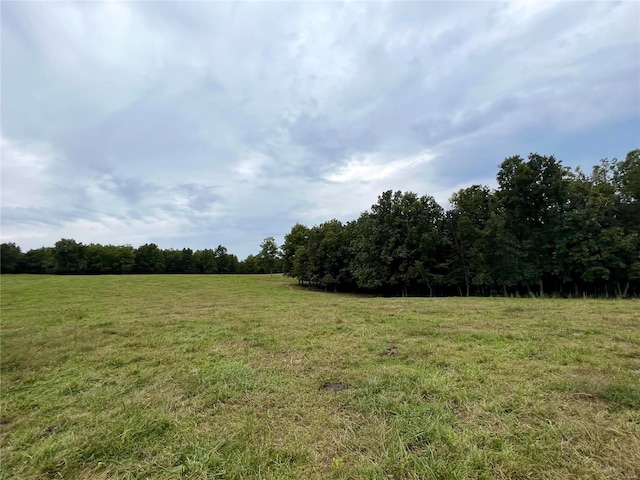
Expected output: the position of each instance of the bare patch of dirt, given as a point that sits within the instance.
(333, 386)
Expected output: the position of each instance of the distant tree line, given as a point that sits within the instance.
(71, 257)
(545, 230)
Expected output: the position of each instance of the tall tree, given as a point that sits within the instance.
(534, 196)
(395, 246)
(269, 254)
(472, 208)
(293, 241)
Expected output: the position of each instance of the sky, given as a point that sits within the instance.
(198, 124)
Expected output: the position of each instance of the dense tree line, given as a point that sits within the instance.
(71, 257)
(545, 230)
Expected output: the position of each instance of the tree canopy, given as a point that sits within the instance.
(545, 230)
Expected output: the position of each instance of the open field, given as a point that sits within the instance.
(244, 377)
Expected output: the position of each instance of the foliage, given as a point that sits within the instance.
(269, 256)
(545, 230)
(11, 259)
(70, 256)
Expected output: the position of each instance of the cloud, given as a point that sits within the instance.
(23, 171)
(223, 123)
(365, 168)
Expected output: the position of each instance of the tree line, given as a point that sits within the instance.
(71, 257)
(546, 229)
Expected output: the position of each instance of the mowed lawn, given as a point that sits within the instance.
(242, 377)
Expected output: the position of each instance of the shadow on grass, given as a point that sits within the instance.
(616, 395)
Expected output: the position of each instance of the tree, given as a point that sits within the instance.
(123, 258)
(11, 258)
(149, 259)
(205, 261)
(172, 260)
(534, 196)
(226, 263)
(293, 241)
(465, 223)
(395, 247)
(251, 264)
(626, 176)
(187, 261)
(39, 260)
(97, 262)
(322, 255)
(269, 255)
(109, 259)
(70, 257)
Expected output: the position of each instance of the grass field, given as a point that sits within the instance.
(245, 377)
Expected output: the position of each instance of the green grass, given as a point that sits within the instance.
(239, 377)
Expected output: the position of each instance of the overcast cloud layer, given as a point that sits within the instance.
(198, 124)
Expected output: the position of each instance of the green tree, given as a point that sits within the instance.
(472, 208)
(597, 250)
(187, 261)
(11, 258)
(395, 247)
(97, 262)
(70, 257)
(205, 261)
(172, 260)
(39, 260)
(269, 256)
(122, 258)
(251, 264)
(226, 262)
(626, 176)
(294, 240)
(149, 259)
(533, 196)
(322, 255)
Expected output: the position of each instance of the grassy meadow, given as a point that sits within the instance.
(253, 377)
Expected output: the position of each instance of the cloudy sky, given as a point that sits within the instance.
(197, 124)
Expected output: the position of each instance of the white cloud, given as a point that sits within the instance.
(227, 123)
(367, 168)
